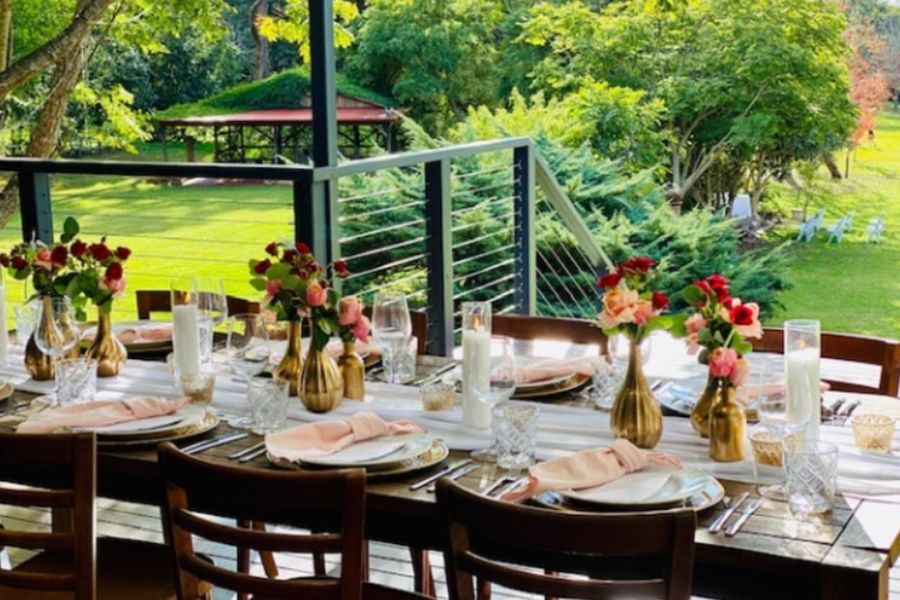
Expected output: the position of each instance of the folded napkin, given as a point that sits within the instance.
(99, 414)
(156, 333)
(588, 468)
(313, 440)
(554, 367)
(746, 394)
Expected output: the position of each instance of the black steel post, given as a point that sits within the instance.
(438, 245)
(524, 209)
(34, 203)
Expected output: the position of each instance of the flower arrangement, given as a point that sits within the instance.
(296, 286)
(48, 266)
(721, 326)
(630, 306)
(100, 272)
(354, 324)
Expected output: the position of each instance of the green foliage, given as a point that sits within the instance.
(292, 24)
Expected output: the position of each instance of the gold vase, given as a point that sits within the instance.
(353, 372)
(727, 424)
(636, 415)
(288, 370)
(700, 414)
(321, 385)
(38, 364)
(107, 350)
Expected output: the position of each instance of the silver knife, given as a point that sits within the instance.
(253, 455)
(436, 375)
(745, 514)
(716, 526)
(453, 476)
(246, 451)
(216, 442)
(445, 471)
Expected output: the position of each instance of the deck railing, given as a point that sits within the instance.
(485, 221)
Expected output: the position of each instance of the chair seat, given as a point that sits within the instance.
(126, 569)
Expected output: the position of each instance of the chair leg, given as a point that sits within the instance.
(266, 557)
(424, 578)
(318, 564)
(483, 589)
(243, 558)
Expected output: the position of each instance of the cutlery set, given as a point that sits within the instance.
(448, 470)
(746, 511)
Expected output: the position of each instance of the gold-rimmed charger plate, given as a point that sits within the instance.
(136, 346)
(193, 414)
(208, 423)
(6, 390)
(436, 454)
(555, 388)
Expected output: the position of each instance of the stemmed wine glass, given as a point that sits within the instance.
(781, 413)
(212, 306)
(391, 328)
(247, 352)
(55, 333)
(501, 387)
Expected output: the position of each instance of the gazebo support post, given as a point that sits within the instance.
(165, 143)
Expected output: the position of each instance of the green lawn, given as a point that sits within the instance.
(853, 286)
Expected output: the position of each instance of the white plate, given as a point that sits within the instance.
(189, 415)
(656, 485)
(137, 326)
(455, 376)
(680, 396)
(376, 453)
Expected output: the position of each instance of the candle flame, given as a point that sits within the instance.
(476, 322)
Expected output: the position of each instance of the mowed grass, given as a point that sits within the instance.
(852, 286)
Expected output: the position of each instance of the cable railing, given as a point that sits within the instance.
(485, 221)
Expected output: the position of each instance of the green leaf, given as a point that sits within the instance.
(320, 338)
(291, 282)
(258, 283)
(70, 230)
(326, 325)
(278, 271)
(693, 295)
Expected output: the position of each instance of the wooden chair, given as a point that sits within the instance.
(577, 331)
(335, 500)
(151, 301)
(60, 472)
(881, 352)
(644, 555)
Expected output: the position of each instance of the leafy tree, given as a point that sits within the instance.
(292, 24)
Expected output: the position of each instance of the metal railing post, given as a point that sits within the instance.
(315, 218)
(34, 204)
(439, 246)
(524, 215)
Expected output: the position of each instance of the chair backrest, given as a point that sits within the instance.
(636, 555)
(418, 320)
(333, 500)
(60, 472)
(151, 301)
(577, 331)
(881, 352)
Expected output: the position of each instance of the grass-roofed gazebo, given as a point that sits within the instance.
(270, 120)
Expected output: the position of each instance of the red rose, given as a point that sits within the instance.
(703, 287)
(18, 263)
(302, 274)
(742, 315)
(610, 280)
(272, 249)
(123, 253)
(302, 248)
(314, 266)
(58, 256)
(717, 282)
(288, 256)
(660, 301)
(723, 294)
(262, 266)
(643, 263)
(78, 249)
(340, 266)
(324, 284)
(99, 251)
(114, 271)
(4, 260)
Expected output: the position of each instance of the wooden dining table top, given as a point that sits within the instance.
(844, 554)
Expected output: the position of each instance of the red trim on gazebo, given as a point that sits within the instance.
(288, 116)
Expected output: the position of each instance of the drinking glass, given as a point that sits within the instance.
(802, 357)
(26, 315)
(55, 333)
(211, 300)
(405, 359)
(501, 386)
(391, 327)
(247, 352)
(516, 424)
(76, 380)
(268, 404)
(811, 468)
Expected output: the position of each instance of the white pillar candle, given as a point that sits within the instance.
(4, 332)
(186, 339)
(803, 393)
(476, 376)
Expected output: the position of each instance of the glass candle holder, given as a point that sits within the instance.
(437, 396)
(768, 448)
(198, 387)
(802, 356)
(873, 432)
(268, 404)
(476, 345)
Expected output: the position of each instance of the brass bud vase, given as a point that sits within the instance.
(727, 424)
(353, 372)
(39, 365)
(107, 350)
(700, 414)
(636, 415)
(288, 370)
(321, 385)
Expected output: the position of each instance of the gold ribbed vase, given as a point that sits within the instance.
(107, 350)
(700, 414)
(636, 415)
(353, 372)
(727, 424)
(289, 369)
(321, 384)
(38, 364)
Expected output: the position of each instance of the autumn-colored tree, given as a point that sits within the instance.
(870, 89)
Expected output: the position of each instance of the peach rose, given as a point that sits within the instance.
(619, 307)
(362, 328)
(722, 362)
(315, 294)
(349, 310)
(116, 287)
(741, 372)
(643, 312)
(692, 326)
(43, 259)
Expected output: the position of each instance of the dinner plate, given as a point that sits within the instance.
(681, 396)
(378, 453)
(187, 416)
(6, 390)
(534, 390)
(651, 487)
(208, 422)
(138, 344)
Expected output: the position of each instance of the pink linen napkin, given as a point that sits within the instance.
(554, 367)
(588, 468)
(312, 440)
(99, 414)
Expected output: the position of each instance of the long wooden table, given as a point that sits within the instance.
(846, 554)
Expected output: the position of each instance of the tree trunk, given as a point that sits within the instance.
(261, 69)
(56, 50)
(5, 33)
(833, 169)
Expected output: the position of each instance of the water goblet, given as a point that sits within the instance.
(391, 327)
(501, 386)
(247, 352)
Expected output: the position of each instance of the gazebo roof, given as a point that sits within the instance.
(287, 116)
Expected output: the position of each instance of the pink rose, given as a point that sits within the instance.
(315, 294)
(349, 310)
(362, 328)
(619, 307)
(44, 259)
(116, 287)
(273, 287)
(643, 312)
(741, 372)
(692, 326)
(722, 362)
